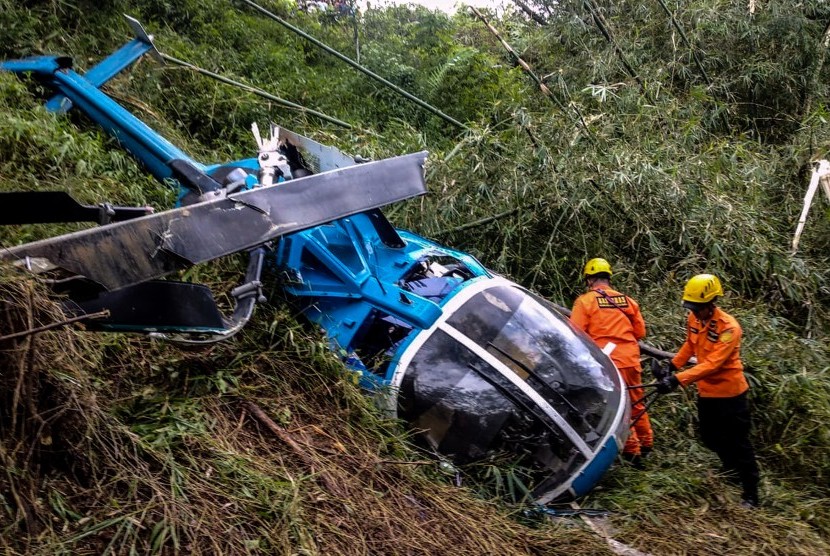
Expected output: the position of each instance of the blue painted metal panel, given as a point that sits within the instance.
(105, 70)
(342, 271)
(40, 65)
(596, 468)
(153, 150)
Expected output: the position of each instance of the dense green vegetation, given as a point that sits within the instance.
(669, 149)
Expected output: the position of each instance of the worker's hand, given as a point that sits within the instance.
(668, 384)
(659, 370)
(662, 369)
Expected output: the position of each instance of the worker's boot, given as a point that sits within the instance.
(749, 497)
(635, 460)
(750, 502)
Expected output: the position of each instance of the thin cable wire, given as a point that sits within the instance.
(256, 91)
(355, 65)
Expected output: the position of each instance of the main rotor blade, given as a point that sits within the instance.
(127, 253)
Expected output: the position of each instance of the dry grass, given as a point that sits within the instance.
(115, 445)
(708, 522)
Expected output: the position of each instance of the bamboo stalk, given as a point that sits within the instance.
(686, 40)
(532, 14)
(480, 222)
(254, 90)
(605, 29)
(526, 67)
(355, 65)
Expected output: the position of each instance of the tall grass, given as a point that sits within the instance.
(115, 445)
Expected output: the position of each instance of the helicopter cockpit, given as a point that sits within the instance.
(476, 363)
(502, 371)
(479, 365)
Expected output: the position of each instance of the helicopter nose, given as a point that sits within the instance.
(585, 479)
(505, 373)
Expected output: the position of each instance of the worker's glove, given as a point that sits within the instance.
(659, 370)
(668, 384)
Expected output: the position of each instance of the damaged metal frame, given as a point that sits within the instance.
(121, 260)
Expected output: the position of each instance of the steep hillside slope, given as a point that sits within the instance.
(113, 444)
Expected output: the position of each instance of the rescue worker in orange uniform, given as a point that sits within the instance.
(714, 338)
(610, 317)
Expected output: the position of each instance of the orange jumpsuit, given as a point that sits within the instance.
(722, 405)
(719, 372)
(618, 320)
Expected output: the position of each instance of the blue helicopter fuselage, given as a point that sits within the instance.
(477, 363)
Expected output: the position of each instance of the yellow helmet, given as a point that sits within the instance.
(702, 288)
(596, 266)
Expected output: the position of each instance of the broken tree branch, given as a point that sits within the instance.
(263, 418)
(98, 315)
(821, 175)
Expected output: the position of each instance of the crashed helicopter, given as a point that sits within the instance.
(474, 362)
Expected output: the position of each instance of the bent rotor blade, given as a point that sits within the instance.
(127, 253)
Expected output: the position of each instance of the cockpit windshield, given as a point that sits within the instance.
(507, 373)
(537, 344)
(468, 410)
